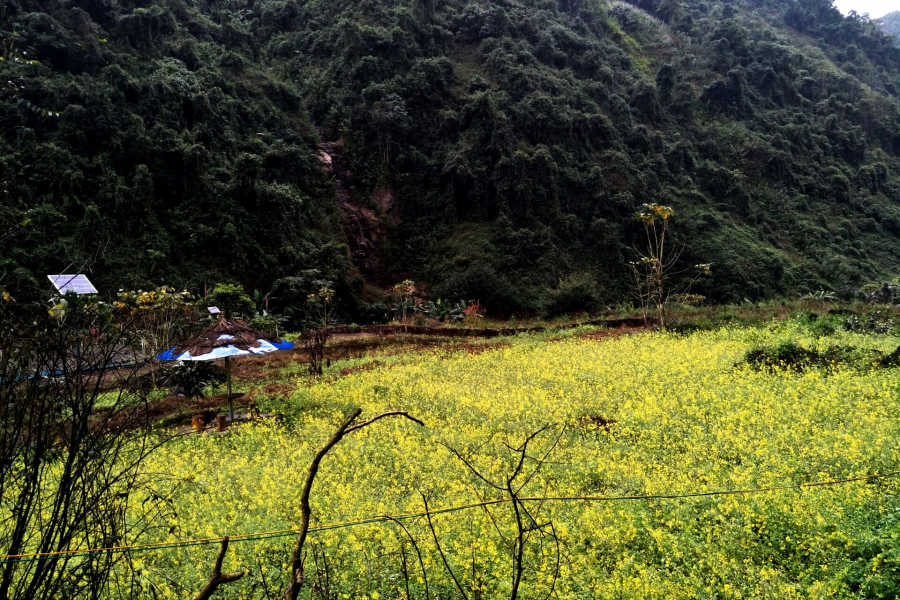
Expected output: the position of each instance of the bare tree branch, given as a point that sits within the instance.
(418, 553)
(218, 578)
(346, 427)
(541, 462)
(399, 413)
(472, 468)
(493, 521)
(441, 551)
(525, 519)
(305, 510)
(558, 560)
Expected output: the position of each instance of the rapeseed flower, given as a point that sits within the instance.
(678, 417)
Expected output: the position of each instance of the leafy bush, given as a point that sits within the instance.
(481, 282)
(819, 296)
(298, 300)
(885, 293)
(786, 354)
(473, 312)
(231, 299)
(875, 322)
(373, 314)
(790, 355)
(821, 325)
(443, 310)
(267, 324)
(576, 293)
(193, 377)
(875, 570)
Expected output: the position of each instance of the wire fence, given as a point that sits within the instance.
(246, 537)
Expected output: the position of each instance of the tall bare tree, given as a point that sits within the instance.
(655, 266)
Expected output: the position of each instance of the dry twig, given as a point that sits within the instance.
(218, 578)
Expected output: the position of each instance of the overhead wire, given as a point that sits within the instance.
(245, 537)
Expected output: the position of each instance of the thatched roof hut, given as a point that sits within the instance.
(222, 334)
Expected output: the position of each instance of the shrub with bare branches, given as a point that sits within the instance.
(73, 436)
(525, 539)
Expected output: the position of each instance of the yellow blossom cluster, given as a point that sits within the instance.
(160, 298)
(637, 415)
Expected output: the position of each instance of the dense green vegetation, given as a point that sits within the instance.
(157, 144)
(890, 24)
(174, 141)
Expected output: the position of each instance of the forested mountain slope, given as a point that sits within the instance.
(890, 24)
(495, 149)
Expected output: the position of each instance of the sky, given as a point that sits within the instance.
(875, 8)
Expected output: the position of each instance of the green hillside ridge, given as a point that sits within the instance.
(890, 24)
(493, 149)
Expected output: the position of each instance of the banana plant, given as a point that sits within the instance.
(444, 310)
(820, 295)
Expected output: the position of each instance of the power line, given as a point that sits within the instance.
(246, 537)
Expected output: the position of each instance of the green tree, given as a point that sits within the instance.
(231, 299)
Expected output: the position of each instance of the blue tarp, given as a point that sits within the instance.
(264, 347)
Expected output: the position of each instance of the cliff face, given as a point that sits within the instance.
(489, 148)
(890, 24)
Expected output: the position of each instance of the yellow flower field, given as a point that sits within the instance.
(632, 416)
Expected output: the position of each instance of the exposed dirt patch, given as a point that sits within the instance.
(272, 390)
(363, 367)
(383, 196)
(607, 333)
(364, 230)
(597, 422)
(277, 389)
